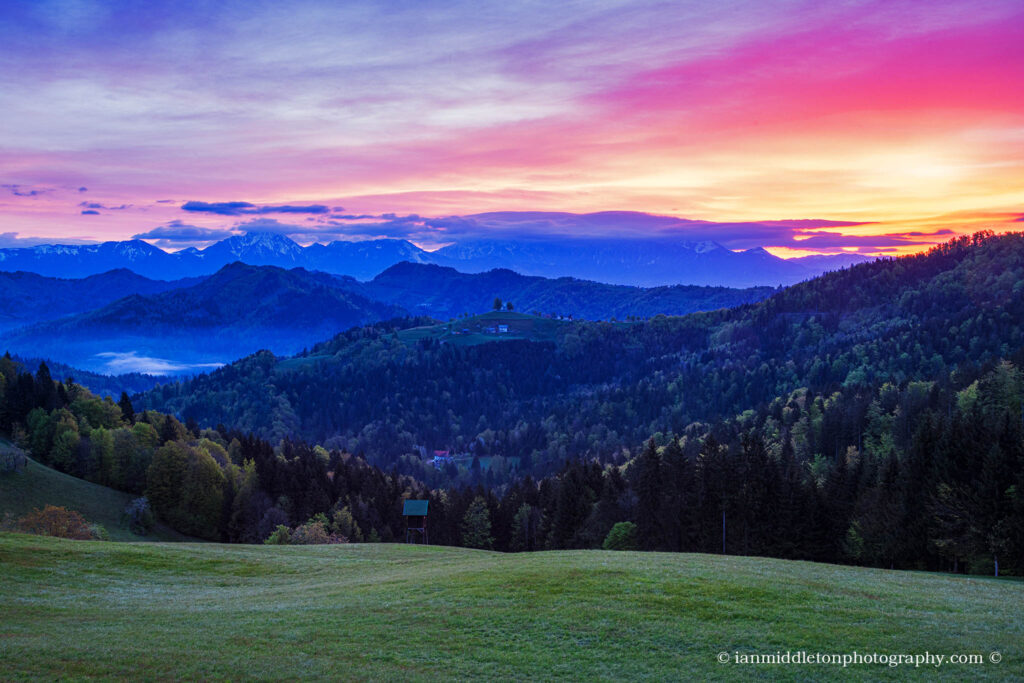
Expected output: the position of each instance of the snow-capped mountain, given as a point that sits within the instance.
(639, 261)
(256, 248)
(363, 260)
(82, 260)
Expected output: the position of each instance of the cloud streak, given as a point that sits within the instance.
(813, 235)
(244, 208)
(177, 231)
(893, 112)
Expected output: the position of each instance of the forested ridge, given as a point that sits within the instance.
(445, 293)
(601, 388)
(894, 438)
(926, 475)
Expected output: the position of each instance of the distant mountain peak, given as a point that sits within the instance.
(268, 241)
(706, 246)
(659, 256)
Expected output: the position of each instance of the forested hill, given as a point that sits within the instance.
(243, 308)
(236, 311)
(600, 388)
(444, 292)
(99, 384)
(29, 298)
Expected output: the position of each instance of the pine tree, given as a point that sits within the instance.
(46, 393)
(647, 484)
(476, 525)
(127, 411)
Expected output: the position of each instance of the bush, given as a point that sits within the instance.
(282, 535)
(138, 517)
(313, 532)
(99, 532)
(55, 521)
(622, 537)
(12, 461)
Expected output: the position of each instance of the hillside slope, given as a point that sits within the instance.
(592, 389)
(424, 612)
(236, 311)
(29, 298)
(445, 292)
(38, 486)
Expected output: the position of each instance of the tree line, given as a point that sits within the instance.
(599, 389)
(922, 474)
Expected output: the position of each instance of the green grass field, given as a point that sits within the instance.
(473, 330)
(520, 326)
(155, 611)
(37, 486)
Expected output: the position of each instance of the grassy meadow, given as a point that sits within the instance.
(375, 611)
(38, 486)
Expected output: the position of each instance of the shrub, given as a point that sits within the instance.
(99, 532)
(8, 523)
(344, 525)
(282, 535)
(138, 516)
(313, 532)
(55, 521)
(622, 537)
(310, 533)
(12, 461)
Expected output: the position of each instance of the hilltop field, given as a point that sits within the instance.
(376, 611)
(37, 486)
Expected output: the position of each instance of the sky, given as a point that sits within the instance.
(878, 127)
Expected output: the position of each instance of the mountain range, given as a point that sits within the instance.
(238, 310)
(547, 391)
(647, 262)
(120, 322)
(443, 292)
(30, 298)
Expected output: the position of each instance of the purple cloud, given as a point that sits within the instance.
(243, 208)
(10, 240)
(90, 212)
(21, 191)
(177, 231)
(97, 205)
(222, 208)
(288, 208)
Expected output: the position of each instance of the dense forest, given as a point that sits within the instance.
(446, 293)
(925, 475)
(894, 438)
(598, 390)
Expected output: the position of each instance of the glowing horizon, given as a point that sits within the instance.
(901, 122)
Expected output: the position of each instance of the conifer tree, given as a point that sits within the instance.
(476, 525)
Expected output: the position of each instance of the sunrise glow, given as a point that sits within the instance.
(903, 119)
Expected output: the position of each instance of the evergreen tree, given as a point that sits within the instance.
(476, 525)
(648, 485)
(525, 526)
(127, 411)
